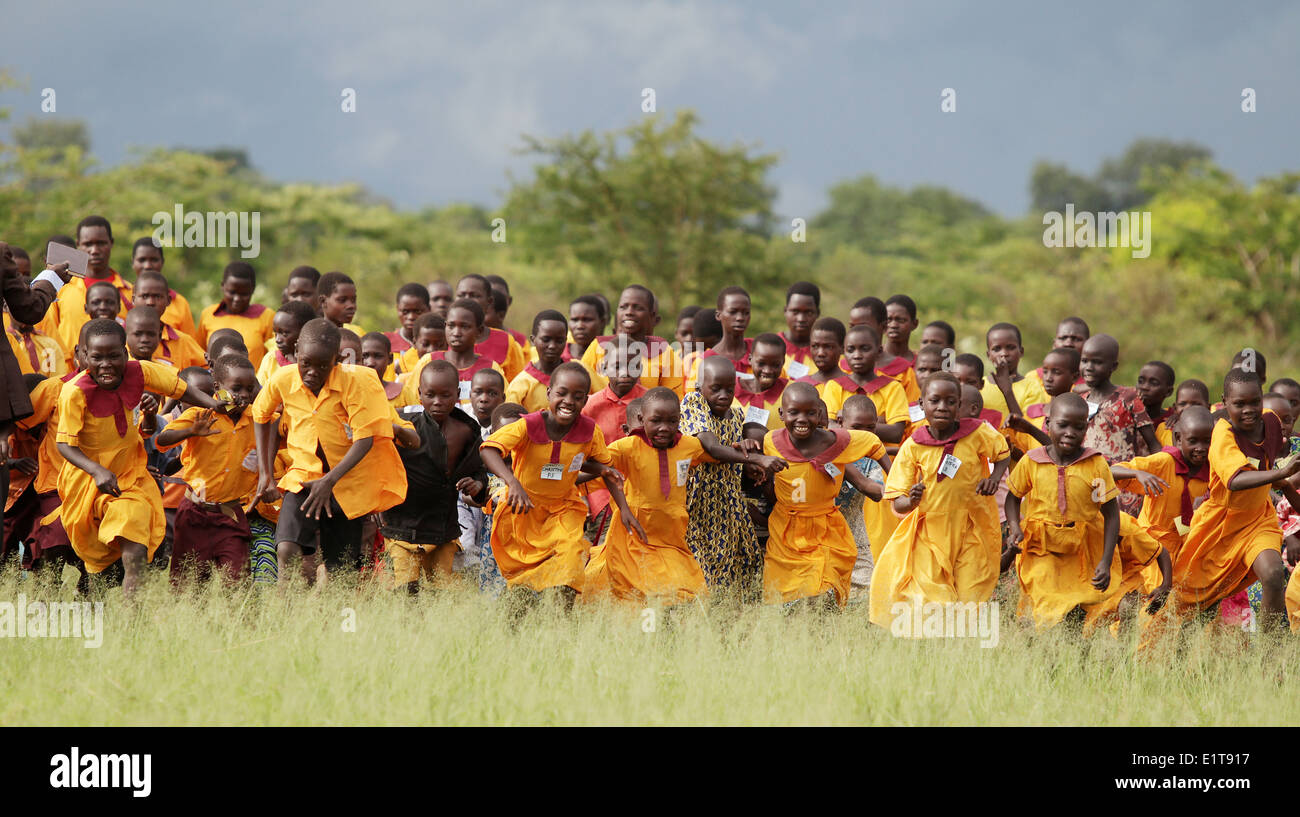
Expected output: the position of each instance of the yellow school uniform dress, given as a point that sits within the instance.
(1231, 528)
(67, 315)
(798, 359)
(465, 375)
(1027, 393)
(886, 392)
(103, 425)
(810, 549)
(178, 350)
(762, 406)
(351, 406)
(1168, 517)
(900, 369)
(528, 389)
(254, 324)
(400, 395)
(544, 547)
(503, 350)
(45, 409)
(221, 468)
(664, 568)
(660, 363)
(1139, 573)
(179, 316)
(271, 363)
(947, 548)
(1064, 534)
(36, 352)
(1164, 432)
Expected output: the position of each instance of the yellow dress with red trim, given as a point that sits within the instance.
(901, 369)
(465, 375)
(1140, 573)
(254, 325)
(1064, 534)
(664, 567)
(501, 347)
(65, 317)
(544, 547)
(1168, 517)
(528, 389)
(1230, 529)
(810, 549)
(888, 395)
(178, 350)
(948, 547)
(101, 423)
(761, 406)
(660, 365)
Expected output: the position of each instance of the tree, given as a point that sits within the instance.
(681, 214)
(892, 221)
(1122, 183)
(57, 135)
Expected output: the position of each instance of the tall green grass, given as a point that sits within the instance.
(214, 656)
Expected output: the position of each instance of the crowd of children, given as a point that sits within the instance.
(825, 465)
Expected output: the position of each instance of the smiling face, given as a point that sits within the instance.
(766, 360)
(940, 402)
(1245, 405)
(1066, 424)
(95, 242)
(1193, 434)
(861, 351)
(151, 293)
(1058, 374)
(237, 294)
(241, 383)
(409, 310)
(102, 302)
(439, 392)
(147, 257)
(801, 412)
(1098, 361)
(315, 362)
(549, 341)
(106, 360)
(286, 333)
(800, 314)
(567, 395)
(1282, 408)
(462, 330)
(660, 420)
(636, 313)
(826, 350)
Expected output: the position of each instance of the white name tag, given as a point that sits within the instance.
(915, 413)
(796, 369)
(754, 414)
(831, 470)
(948, 466)
(464, 391)
(412, 409)
(683, 470)
(552, 470)
(1092, 409)
(576, 465)
(347, 431)
(250, 461)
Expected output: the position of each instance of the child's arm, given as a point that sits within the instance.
(1149, 434)
(905, 503)
(1245, 480)
(266, 436)
(1014, 535)
(885, 462)
(1019, 423)
(105, 480)
(1151, 484)
(201, 427)
(1109, 515)
(1291, 547)
(148, 415)
(867, 487)
(1158, 596)
(890, 432)
(516, 497)
(989, 485)
(320, 491)
(1001, 378)
(615, 487)
(727, 454)
(406, 436)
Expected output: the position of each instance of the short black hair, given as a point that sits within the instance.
(1285, 382)
(863, 329)
(223, 365)
(1072, 355)
(1241, 376)
(497, 282)
(875, 305)
(549, 315)
(489, 372)
(594, 301)
(474, 276)
(705, 324)
(804, 288)
(378, 337)
(300, 311)
(322, 331)
(1197, 386)
(732, 290)
(104, 285)
(571, 366)
(1165, 369)
(147, 241)
(94, 221)
(1003, 326)
(331, 281)
(904, 301)
(19, 252)
(770, 339)
(646, 291)
(469, 305)
(429, 320)
(500, 301)
(688, 311)
(970, 360)
(102, 326)
(507, 411)
(419, 291)
(241, 270)
(833, 325)
(948, 332)
(660, 394)
(304, 271)
(152, 275)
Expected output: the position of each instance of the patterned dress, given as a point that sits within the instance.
(490, 580)
(850, 504)
(1114, 429)
(720, 532)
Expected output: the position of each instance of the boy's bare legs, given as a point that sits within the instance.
(1268, 569)
(133, 559)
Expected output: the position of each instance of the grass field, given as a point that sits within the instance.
(211, 656)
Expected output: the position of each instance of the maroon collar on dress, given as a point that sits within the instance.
(101, 402)
(785, 447)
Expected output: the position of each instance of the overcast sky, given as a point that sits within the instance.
(835, 89)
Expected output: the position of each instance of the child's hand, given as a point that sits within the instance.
(875, 491)
(748, 446)
(1152, 484)
(614, 474)
(1292, 550)
(105, 481)
(267, 490)
(517, 497)
(319, 493)
(1292, 468)
(987, 487)
(1196, 503)
(203, 424)
(769, 463)
(24, 465)
(631, 523)
(916, 492)
(1157, 598)
(1015, 537)
(148, 405)
(469, 486)
(1101, 577)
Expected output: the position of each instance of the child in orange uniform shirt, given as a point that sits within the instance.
(237, 311)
